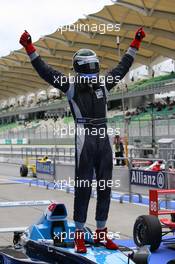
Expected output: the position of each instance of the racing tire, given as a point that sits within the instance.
(147, 231)
(23, 170)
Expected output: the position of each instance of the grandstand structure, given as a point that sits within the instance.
(18, 78)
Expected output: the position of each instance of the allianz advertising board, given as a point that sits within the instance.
(148, 178)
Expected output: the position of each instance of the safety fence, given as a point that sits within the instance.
(17, 155)
(67, 154)
(145, 152)
(146, 174)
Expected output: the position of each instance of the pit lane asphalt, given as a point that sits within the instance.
(121, 217)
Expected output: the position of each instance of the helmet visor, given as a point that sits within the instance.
(86, 66)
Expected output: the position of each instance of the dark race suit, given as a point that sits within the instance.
(93, 152)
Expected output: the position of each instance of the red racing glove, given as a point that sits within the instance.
(26, 42)
(140, 34)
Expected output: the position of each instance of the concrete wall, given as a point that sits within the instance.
(66, 173)
(121, 174)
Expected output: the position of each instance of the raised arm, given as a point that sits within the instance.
(117, 74)
(46, 72)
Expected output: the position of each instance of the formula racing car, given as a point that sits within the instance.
(152, 230)
(51, 240)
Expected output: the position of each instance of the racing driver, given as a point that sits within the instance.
(86, 94)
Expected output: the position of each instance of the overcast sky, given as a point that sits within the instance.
(39, 17)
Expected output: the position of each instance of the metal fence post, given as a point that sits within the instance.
(130, 186)
(168, 126)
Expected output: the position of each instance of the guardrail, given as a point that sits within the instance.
(163, 179)
(62, 154)
(67, 154)
(70, 152)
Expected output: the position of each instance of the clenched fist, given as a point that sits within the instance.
(139, 35)
(26, 42)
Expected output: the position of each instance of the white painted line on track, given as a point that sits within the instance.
(24, 203)
(13, 229)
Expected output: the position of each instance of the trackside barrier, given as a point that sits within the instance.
(134, 176)
(38, 182)
(162, 181)
(134, 190)
(45, 173)
(142, 178)
(63, 159)
(130, 193)
(65, 172)
(128, 188)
